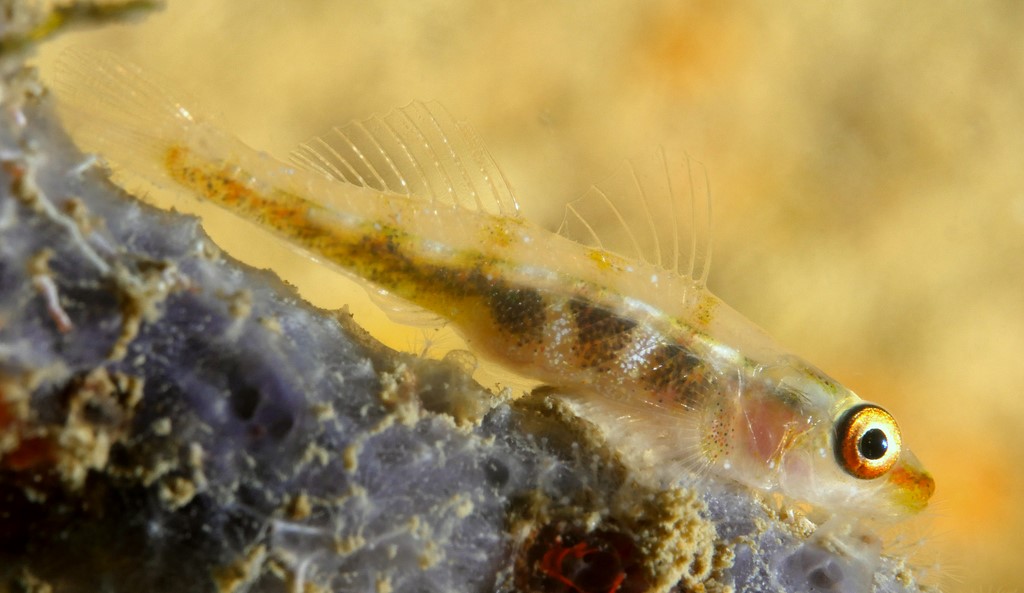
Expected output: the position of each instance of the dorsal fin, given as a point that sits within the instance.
(657, 211)
(417, 151)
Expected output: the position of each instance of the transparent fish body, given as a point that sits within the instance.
(411, 203)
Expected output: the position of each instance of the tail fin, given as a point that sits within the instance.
(113, 109)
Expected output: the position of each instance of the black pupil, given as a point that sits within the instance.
(873, 444)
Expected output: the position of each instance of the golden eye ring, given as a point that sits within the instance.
(868, 441)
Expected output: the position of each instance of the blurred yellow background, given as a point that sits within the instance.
(865, 159)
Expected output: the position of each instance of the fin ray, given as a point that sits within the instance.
(657, 211)
(112, 108)
(404, 312)
(418, 151)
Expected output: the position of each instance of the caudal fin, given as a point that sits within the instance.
(111, 108)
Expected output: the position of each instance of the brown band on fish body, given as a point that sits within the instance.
(676, 373)
(518, 312)
(600, 333)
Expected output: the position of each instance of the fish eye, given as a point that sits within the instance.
(867, 441)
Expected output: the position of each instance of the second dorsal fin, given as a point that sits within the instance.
(418, 151)
(656, 210)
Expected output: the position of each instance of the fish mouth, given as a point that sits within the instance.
(911, 484)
